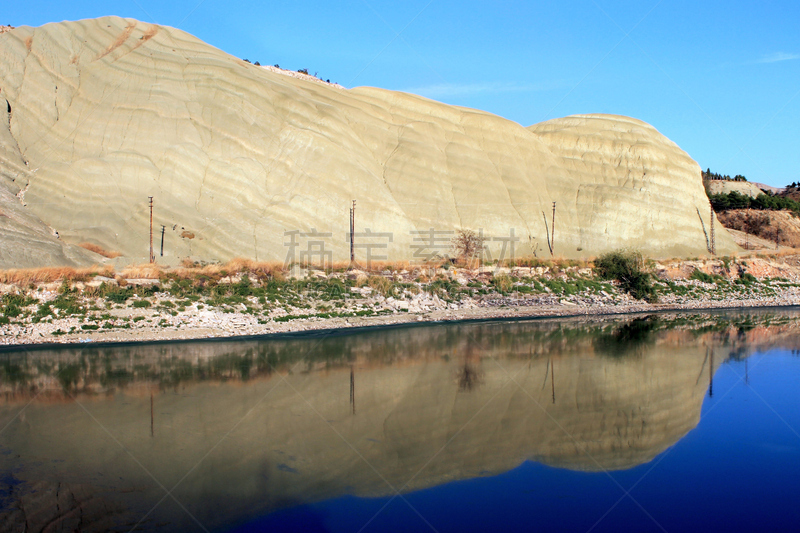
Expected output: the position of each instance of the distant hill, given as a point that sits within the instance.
(725, 187)
(773, 190)
(98, 115)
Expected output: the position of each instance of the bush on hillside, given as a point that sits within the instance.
(734, 200)
(468, 245)
(627, 267)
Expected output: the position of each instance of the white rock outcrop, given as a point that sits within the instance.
(98, 115)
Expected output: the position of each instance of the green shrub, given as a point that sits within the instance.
(142, 303)
(287, 318)
(381, 285)
(627, 267)
(117, 295)
(503, 283)
(746, 279)
(333, 289)
(244, 287)
(443, 287)
(12, 310)
(699, 275)
(67, 303)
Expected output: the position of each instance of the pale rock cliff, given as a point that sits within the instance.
(103, 113)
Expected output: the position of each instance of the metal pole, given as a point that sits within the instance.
(152, 256)
(163, 227)
(352, 233)
(711, 376)
(713, 238)
(547, 234)
(553, 227)
(352, 390)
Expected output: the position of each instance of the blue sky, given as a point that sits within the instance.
(720, 78)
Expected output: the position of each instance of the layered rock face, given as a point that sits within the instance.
(629, 185)
(103, 113)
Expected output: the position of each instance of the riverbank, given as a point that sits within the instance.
(248, 301)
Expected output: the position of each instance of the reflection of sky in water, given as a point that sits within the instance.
(246, 428)
(736, 471)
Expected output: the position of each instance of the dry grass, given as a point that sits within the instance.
(327, 266)
(259, 269)
(99, 250)
(391, 266)
(774, 254)
(503, 283)
(144, 271)
(50, 274)
(380, 285)
(768, 225)
(532, 262)
(372, 267)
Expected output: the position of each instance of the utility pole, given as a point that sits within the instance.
(152, 256)
(547, 234)
(746, 373)
(711, 374)
(352, 390)
(713, 238)
(553, 227)
(163, 227)
(352, 234)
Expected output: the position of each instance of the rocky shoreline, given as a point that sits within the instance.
(230, 327)
(114, 310)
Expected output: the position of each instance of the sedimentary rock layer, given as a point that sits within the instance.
(104, 113)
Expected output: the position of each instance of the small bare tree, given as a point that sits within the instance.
(468, 245)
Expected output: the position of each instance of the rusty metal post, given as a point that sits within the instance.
(352, 233)
(152, 255)
(553, 228)
(713, 237)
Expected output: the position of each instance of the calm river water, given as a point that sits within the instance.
(672, 422)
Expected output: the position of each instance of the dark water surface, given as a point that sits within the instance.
(674, 422)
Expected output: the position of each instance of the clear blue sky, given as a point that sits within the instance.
(720, 78)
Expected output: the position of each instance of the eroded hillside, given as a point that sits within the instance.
(242, 161)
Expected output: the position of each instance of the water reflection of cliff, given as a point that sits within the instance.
(260, 425)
